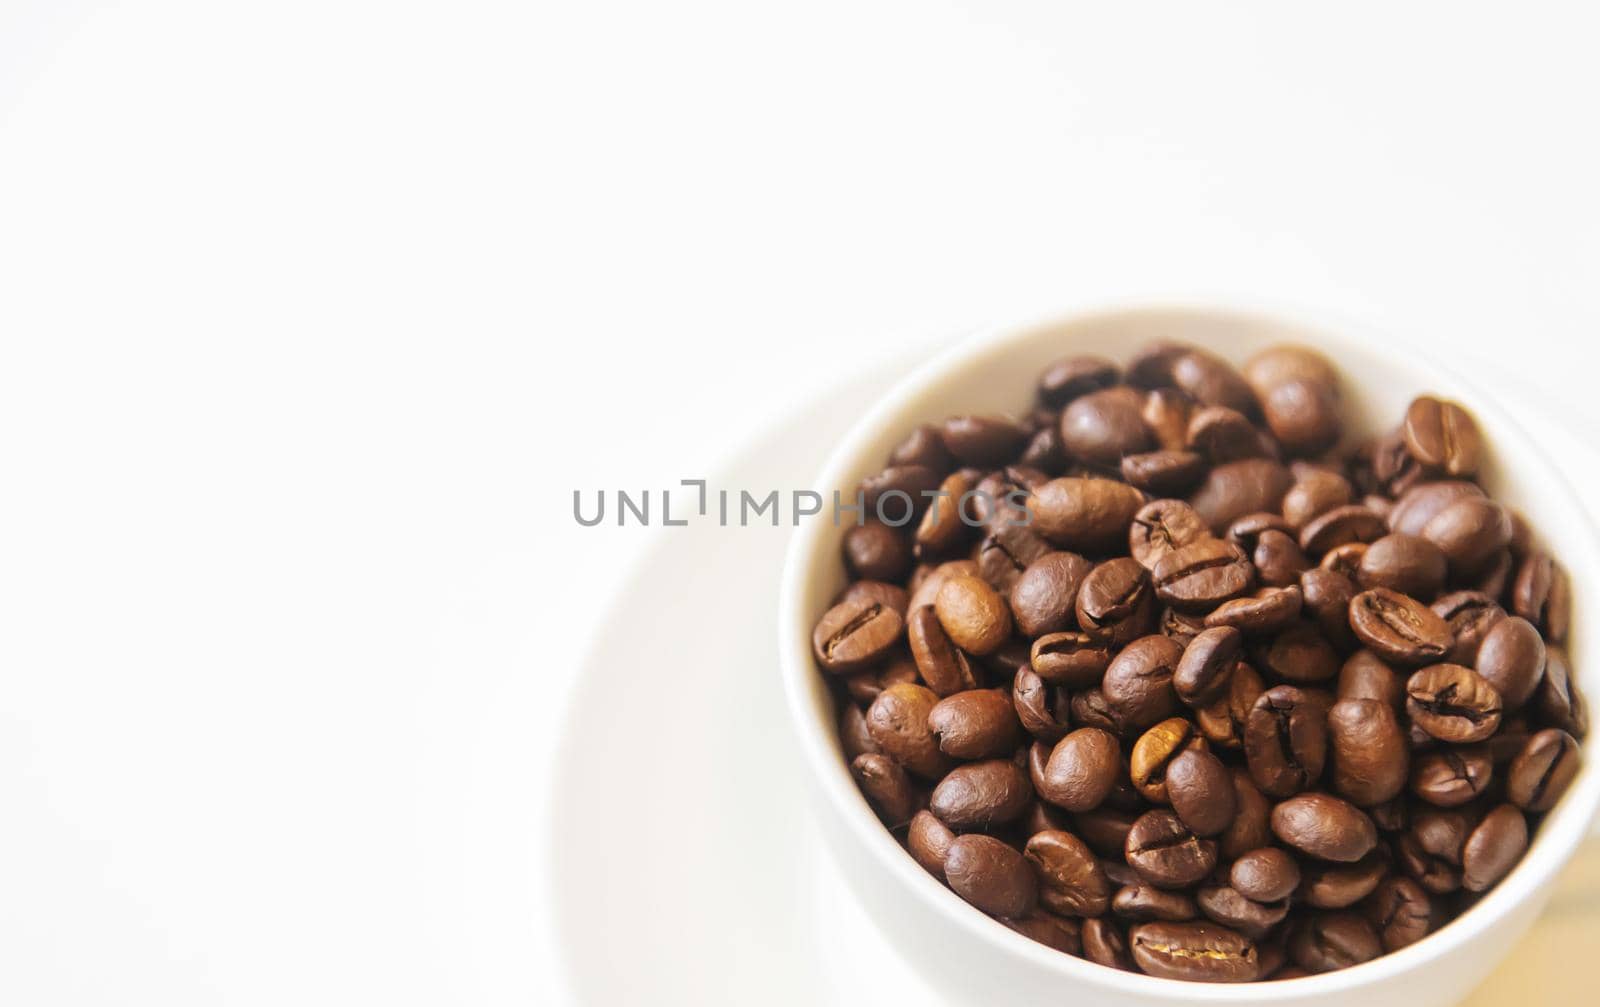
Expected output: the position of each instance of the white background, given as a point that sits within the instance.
(313, 315)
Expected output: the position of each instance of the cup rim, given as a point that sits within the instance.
(1558, 836)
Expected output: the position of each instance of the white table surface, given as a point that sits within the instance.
(313, 315)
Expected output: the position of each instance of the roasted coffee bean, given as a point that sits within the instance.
(1072, 377)
(976, 724)
(1160, 528)
(943, 667)
(1303, 415)
(950, 520)
(1541, 595)
(1559, 703)
(1166, 853)
(1084, 514)
(991, 875)
(1082, 769)
(1469, 532)
(1073, 659)
(1493, 848)
(1451, 777)
(1045, 451)
(1345, 559)
(1223, 435)
(1365, 675)
(1090, 709)
(1105, 829)
(1178, 626)
(928, 840)
(886, 786)
(1423, 502)
(1226, 906)
(1163, 472)
(1200, 952)
(1104, 944)
(1269, 610)
(853, 735)
(1398, 627)
(927, 582)
(1155, 750)
(899, 494)
(1052, 931)
(898, 722)
(1435, 874)
(1441, 833)
(1071, 881)
(1166, 412)
(1267, 874)
(1339, 886)
(1543, 769)
(1045, 597)
(1005, 553)
(1442, 436)
(1138, 682)
(1369, 753)
(1453, 703)
(982, 440)
(1206, 667)
(1470, 615)
(1405, 564)
(1511, 658)
(1222, 722)
(1314, 494)
(1286, 741)
(1287, 362)
(1141, 903)
(923, 447)
(982, 795)
(1200, 791)
(1200, 576)
(875, 551)
(1300, 654)
(1042, 709)
(1232, 490)
(855, 634)
(1326, 596)
(973, 615)
(1341, 526)
(864, 686)
(1337, 940)
(890, 595)
(1325, 827)
(1211, 381)
(1251, 828)
(1101, 427)
(1400, 911)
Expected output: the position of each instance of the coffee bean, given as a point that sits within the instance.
(1398, 627)
(1300, 654)
(1206, 667)
(944, 668)
(1345, 559)
(1200, 952)
(928, 840)
(982, 795)
(1045, 596)
(1326, 598)
(1212, 381)
(1451, 777)
(990, 875)
(1400, 912)
(1559, 703)
(854, 634)
(1453, 703)
(1042, 709)
(1082, 769)
(1469, 532)
(973, 615)
(1160, 528)
(1141, 903)
(1138, 682)
(886, 786)
(1303, 415)
(1543, 769)
(1084, 514)
(1435, 874)
(1073, 659)
(1232, 490)
(1423, 502)
(1368, 748)
(1493, 848)
(1179, 627)
(1470, 615)
(1364, 675)
(1442, 436)
(1512, 658)
(1269, 610)
(876, 552)
(928, 581)
(1102, 426)
(1406, 564)
(1071, 881)
(1050, 930)
(1163, 472)
(1267, 874)
(1314, 494)
(1340, 526)
(1226, 906)
(1154, 750)
(1200, 576)
(923, 447)
(853, 735)
(1281, 364)
(975, 724)
(1072, 377)
(1339, 886)
(1251, 827)
(1166, 853)
(1286, 741)
(1325, 827)
(1543, 596)
(1223, 435)
(1201, 791)
(1090, 709)
(898, 722)
(1329, 941)
(982, 440)
(1104, 944)
(1165, 412)
(950, 520)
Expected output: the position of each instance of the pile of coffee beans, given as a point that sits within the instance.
(1166, 676)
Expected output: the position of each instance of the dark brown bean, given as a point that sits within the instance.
(1044, 598)
(1163, 472)
(1511, 658)
(1270, 610)
(1206, 668)
(1201, 792)
(942, 666)
(973, 615)
(976, 724)
(1369, 753)
(1424, 501)
(1339, 886)
(886, 786)
(1442, 436)
(1251, 828)
(1470, 615)
(982, 795)
(1154, 751)
(1166, 853)
(1051, 930)
(1073, 659)
(1116, 603)
(1493, 848)
(1407, 564)
(1453, 703)
(1141, 903)
(1398, 627)
(1365, 675)
(1267, 874)
(1232, 490)
(1542, 771)
(1082, 769)
(1226, 906)
(1469, 532)
(1138, 682)
(1337, 940)
(1201, 952)
(1559, 703)
(928, 840)
(990, 875)
(1400, 911)
(1102, 426)
(1326, 598)
(982, 440)
(1041, 708)
(1071, 881)
(1452, 776)
(1200, 576)
(855, 634)
(1300, 654)
(898, 722)
(1104, 944)
(1071, 377)
(1313, 494)
(1161, 527)
(1341, 526)
(1286, 741)
(1325, 827)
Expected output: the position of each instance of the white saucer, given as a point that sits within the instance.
(685, 869)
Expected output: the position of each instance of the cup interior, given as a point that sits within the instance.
(995, 372)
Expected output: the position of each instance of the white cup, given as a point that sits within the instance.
(979, 960)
